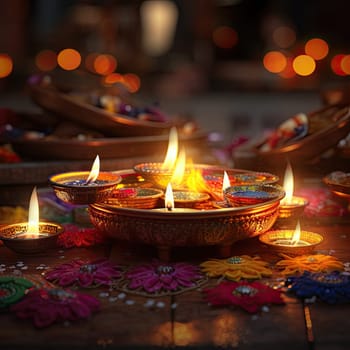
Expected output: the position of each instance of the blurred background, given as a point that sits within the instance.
(237, 66)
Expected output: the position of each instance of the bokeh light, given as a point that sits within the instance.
(275, 61)
(317, 48)
(105, 64)
(284, 37)
(304, 65)
(132, 82)
(113, 78)
(46, 60)
(345, 64)
(6, 65)
(336, 64)
(69, 59)
(225, 37)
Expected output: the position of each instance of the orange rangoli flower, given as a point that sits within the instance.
(313, 263)
(237, 268)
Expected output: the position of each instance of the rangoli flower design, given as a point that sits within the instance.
(163, 278)
(237, 268)
(46, 306)
(312, 263)
(250, 296)
(84, 273)
(12, 289)
(331, 288)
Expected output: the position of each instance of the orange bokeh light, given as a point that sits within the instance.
(46, 60)
(336, 64)
(345, 64)
(105, 64)
(316, 48)
(275, 61)
(225, 37)
(6, 65)
(113, 78)
(132, 82)
(304, 65)
(69, 59)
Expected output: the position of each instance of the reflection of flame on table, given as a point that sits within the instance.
(176, 334)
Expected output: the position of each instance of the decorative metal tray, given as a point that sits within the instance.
(339, 183)
(215, 226)
(110, 124)
(112, 148)
(307, 149)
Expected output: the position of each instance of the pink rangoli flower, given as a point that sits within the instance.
(157, 277)
(46, 306)
(248, 295)
(83, 273)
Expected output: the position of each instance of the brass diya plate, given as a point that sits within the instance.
(188, 199)
(339, 183)
(111, 124)
(331, 124)
(293, 210)
(280, 241)
(184, 226)
(241, 195)
(72, 187)
(108, 148)
(134, 197)
(12, 237)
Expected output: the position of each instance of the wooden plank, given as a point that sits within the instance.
(200, 324)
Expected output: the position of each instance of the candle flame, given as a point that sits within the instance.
(33, 216)
(180, 168)
(226, 182)
(169, 197)
(296, 234)
(171, 155)
(95, 170)
(196, 182)
(288, 185)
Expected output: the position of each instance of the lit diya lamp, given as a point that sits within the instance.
(248, 195)
(135, 197)
(295, 242)
(169, 200)
(215, 183)
(83, 187)
(173, 169)
(33, 236)
(291, 206)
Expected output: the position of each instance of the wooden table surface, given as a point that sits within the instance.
(185, 319)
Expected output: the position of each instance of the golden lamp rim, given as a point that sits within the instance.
(24, 226)
(280, 234)
(299, 202)
(200, 213)
(82, 175)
